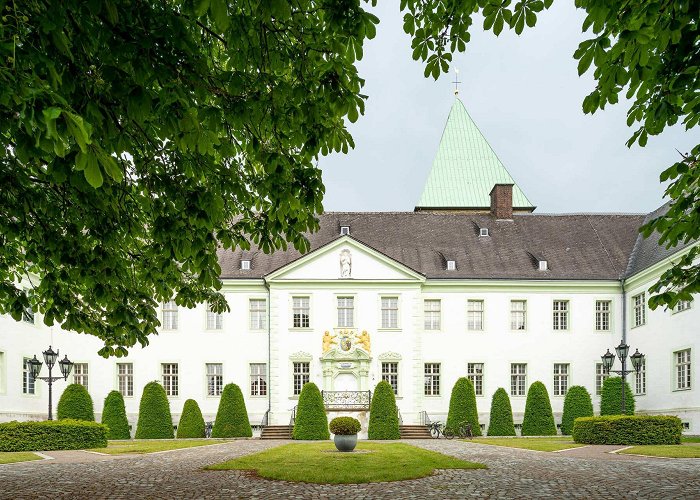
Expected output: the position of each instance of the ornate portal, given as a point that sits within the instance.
(346, 360)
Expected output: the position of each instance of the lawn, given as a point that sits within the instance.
(690, 439)
(321, 463)
(537, 444)
(11, 457)
(152, 445)
(689, 450)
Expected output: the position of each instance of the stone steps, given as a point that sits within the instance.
(276, 432)
(414, 432)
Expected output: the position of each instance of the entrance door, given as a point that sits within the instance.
(345, 382)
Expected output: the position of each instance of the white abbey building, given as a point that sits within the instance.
(472, 283)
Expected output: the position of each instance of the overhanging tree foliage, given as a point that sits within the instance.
(137, 137)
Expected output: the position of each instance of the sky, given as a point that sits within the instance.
(525, 95)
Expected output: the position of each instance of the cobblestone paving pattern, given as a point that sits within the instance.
(512, 473)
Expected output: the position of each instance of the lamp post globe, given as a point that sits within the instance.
(66, 366)
(622, 351)
(608, 359)
(50, 357)
(637, 360)
(34, 367)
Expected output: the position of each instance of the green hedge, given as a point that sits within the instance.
(463, 407)
(191, 423)
(114, 416)
(76, 404)
(628, 429)
(232, 416)
(311, 422)
(64, 434)
(576, 404)
(611, 397)
(538, 419)
(345, 426)
(501, 418)
(383, 413)
(155, 421)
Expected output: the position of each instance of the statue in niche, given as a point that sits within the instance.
(328, 341)
(345, 264)
(363, 341)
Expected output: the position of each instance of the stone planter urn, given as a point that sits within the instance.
(345, 431)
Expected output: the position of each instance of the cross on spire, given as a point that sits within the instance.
(456, 82)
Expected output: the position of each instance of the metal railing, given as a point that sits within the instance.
(346, 400)
(292, 419)
(265, 420)
(424, 418)
(400, 417)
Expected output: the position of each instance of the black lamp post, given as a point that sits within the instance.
(50, 358)
(609, 359)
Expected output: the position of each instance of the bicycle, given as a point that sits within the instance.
(436, 428)
(464, 430)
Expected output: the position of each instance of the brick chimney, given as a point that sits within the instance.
(502, 201)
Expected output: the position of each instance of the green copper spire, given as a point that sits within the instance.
(466, 168)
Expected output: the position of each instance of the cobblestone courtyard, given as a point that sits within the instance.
(586, 473)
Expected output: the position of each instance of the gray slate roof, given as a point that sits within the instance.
(647, 251)
(576, 246)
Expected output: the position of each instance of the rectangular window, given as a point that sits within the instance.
(560, 315)
(640, 378)
(125, 378)
(475, 315)
(431, 311)
(258, 314)
(682, 359)
(300, 376)
(80, 374)
(639, 312)
(602, 315)
(215, 379)
(682, 305)
(518, 379)
(390, 312)
(561, 379)
(518, 314)
(258, 379)
(346, 312)
(300, 312)
(169, 315)
(600, 377)
(475, 373)
(169, 374)
(390, 373)
(432, 379)
(27, 380)
(215, 321)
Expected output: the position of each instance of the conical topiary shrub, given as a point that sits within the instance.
(311, 422)
(114, 416)
(501, 418)
(191, 423)
(611, 397)
(463, 407)
(155, 421)
(383, 413)
(576, 404)
(538, 419)
(75, 403)
(232, 416)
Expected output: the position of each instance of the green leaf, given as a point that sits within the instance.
(219, 12)
(50, 116)
(92, 172)
(110, 166)
(201, 7)
(585, 61)
(281, 9)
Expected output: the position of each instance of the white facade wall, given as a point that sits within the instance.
(316, 276)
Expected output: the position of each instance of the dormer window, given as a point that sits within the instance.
(245, 265)
(542, 265)
(344, 230)
(451, 265)
(483, 231)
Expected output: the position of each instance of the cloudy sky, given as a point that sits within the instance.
(524, 94)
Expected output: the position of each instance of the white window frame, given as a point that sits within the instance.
(79, 377)
(390, 374)
(682, 305)
(600, 377)
(561, 315)
(125, 381)
(257, 316)
(3, 372)
(639, 310)
(432, 316)
(214, 379)
(301, 374)
(432, 379)
(28, 383)
(391, 310)
(682, 369)
(348, 318)
(475, 315)
(640, 379)
(171, 308)
(561, 381)
(603, 315)
(257, 381)
(515, 315)
(213, 321)
(301, 312)
(475, 373)
(518, 380)
(172, 387)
